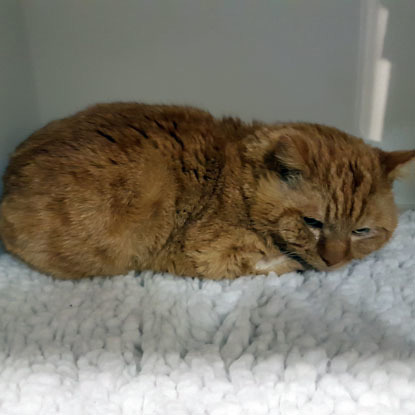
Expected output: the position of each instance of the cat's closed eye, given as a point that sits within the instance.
(361, 231)
(314, 223)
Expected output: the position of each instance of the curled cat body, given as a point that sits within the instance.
(127, 186)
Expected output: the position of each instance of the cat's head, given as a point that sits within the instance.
(323, 196)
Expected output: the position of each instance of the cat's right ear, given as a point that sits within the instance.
(392, 162)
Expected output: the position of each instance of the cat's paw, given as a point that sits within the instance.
(280, 265)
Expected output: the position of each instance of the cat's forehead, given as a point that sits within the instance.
(338, 176)
(345, 169)
(349, 184)
(335, 156)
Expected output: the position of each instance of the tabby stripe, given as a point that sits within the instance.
(107, 136)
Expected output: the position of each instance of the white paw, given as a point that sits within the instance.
(268, 265)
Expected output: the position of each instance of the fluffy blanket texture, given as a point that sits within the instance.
(317, 343)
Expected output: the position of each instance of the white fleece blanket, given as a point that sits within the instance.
(337, 343)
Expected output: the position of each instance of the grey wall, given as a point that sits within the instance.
(265, 59)
(273, 60)
(18, 106)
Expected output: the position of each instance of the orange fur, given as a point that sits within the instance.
(128, 186)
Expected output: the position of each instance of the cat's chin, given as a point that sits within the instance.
(320, 265)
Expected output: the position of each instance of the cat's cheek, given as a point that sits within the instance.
(364, 246)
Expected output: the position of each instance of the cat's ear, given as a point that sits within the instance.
(393, 161)
(286, 160)
(281, 152)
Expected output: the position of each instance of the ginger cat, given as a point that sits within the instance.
(126, 186)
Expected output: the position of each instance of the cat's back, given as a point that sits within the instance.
(128, 124)
(92, 142)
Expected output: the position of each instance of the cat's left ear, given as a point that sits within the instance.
(392, 161)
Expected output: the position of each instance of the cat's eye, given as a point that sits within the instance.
(314, 223)
(361, 231)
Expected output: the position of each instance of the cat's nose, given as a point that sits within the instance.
(332, 253)
(332, 258)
